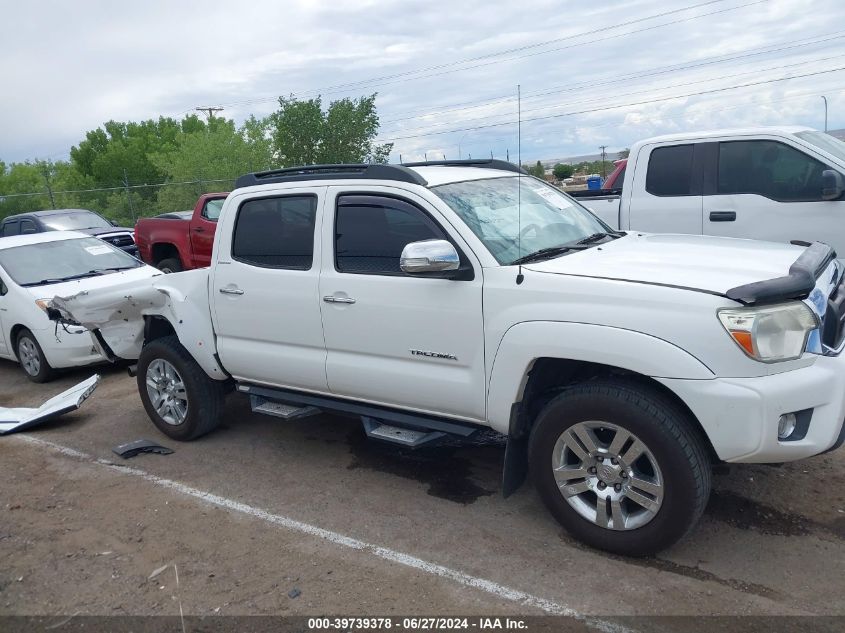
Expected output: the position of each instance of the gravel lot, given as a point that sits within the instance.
(82, 531)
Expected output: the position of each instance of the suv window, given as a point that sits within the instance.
(771, 169)
(670, 171)
(3, 289)
(276, 232)
(28, 227)
(371, 231)
(12, 227)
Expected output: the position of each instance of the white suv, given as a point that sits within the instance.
(434, 300)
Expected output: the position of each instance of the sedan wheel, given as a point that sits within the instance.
(29, 356)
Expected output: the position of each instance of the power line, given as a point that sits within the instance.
(789, 45)
(613, 107)
(447, 68)
(758, 71)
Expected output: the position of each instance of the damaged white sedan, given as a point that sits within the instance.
(34, 268)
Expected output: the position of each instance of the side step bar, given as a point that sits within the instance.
(411, 438)
(266, 406)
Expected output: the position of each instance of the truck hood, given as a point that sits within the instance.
(695, 262)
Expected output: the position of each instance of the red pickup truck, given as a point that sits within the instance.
(181, 240)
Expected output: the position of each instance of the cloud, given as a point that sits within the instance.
(70, 67)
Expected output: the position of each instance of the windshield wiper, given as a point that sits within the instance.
(595, 237)
(546, 253)
(113, 268)
(58, 280)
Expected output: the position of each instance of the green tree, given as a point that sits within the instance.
(538, 170)
(303, 133)
(624, 153)
(201, 159)
(562, 171)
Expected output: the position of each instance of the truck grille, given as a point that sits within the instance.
(121, 241)
(833, 324)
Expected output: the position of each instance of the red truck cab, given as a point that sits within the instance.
(180, 240)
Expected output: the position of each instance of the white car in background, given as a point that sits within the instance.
(34, 268)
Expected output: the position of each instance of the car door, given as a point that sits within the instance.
(202, 232)
(666, 190)
(765, 189)
(264, 291)
(392, 339)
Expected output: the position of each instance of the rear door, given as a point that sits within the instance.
(765, 189)
(410, 342)
(264, 290)
(202, 228)
(666, 190)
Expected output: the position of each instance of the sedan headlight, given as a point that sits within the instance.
(770, 333)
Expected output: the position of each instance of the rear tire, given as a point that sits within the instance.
(170, 265)
(595, 487)
(180, 398)
(32, 359)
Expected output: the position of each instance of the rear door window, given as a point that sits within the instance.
(670, 171)
(276, 232)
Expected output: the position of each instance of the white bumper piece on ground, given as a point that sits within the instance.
(18, 419)
(740, 415)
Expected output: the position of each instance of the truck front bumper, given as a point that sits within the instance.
(741, 415)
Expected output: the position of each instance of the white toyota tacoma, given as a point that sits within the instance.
(434, 300)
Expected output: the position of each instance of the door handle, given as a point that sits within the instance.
(333, 299)
(231, 291)
(722, 216)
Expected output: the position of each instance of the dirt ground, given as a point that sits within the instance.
(84, 532)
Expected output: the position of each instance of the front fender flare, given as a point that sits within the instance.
(525, 342)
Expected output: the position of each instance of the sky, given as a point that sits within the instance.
(447, 74)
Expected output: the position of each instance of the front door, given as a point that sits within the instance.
(768, 190)
(266, 308)
(391, 339)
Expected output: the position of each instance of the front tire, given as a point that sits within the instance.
(32, 359)
(180, 398)
(619, 466)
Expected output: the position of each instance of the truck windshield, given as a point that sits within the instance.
(491, 209)
(63, 260)
(74, 220)
(824, 142)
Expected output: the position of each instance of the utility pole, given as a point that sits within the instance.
(128, 197)
(46, 172)
(209, 111)
(603, 157)
(825, 112)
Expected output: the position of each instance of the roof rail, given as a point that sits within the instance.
(333, 172)
(489, 163)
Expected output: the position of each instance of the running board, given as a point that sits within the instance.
(279, 410)
(411, 438)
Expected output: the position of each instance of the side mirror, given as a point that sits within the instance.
(833, 184)
(113, 222)
(430, 258)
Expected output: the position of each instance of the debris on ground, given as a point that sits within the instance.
(156, 572)
(18, 419)
(130, 449)
(294, 593)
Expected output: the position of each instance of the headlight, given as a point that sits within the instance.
(771, 333)
(42, 303)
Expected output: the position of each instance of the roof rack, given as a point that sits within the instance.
(489, 163)
(333, 172)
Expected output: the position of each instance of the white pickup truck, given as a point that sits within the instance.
(776, 183)
(435, 300)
